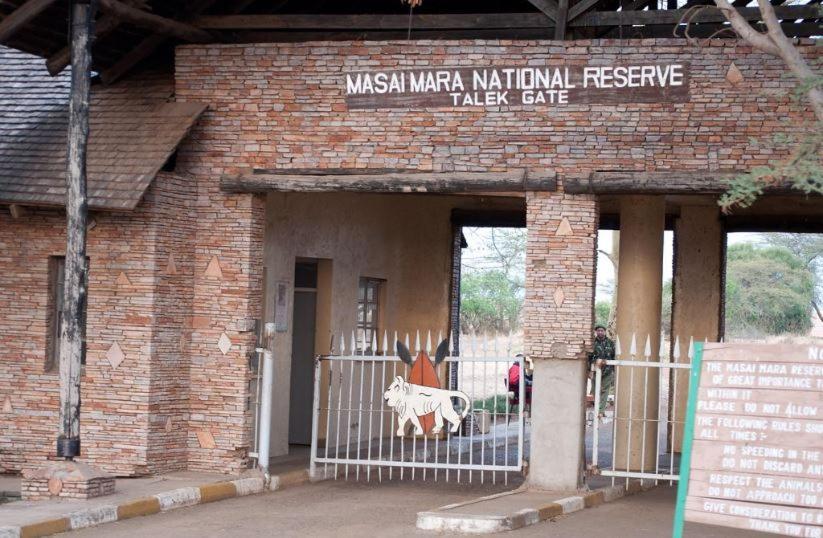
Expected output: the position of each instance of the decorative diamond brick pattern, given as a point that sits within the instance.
(562, 328)
(115, 355)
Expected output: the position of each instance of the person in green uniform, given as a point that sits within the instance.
(603, 351)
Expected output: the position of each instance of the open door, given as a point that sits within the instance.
(302, 358)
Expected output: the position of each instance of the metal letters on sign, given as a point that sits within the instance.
(753, 446)
(421, 400)
(549, 85)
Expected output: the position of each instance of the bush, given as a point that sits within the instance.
(489, 302)
(768, 292)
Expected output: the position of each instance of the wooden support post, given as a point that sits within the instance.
(562, 18)
(74, 291)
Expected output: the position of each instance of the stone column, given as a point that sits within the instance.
(697, 300)
(639, 297)
(558, 314)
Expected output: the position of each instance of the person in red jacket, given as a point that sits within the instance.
(514, 385)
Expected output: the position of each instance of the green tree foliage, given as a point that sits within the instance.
(768, 292)
(489, 302)
(809, 248)
(602, 309)
(801, 170)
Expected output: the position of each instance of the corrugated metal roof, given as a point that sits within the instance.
(134, 128)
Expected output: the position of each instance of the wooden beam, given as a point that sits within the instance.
(791, 29)
(561, 20)
(155, 23)
(492, 218)
(773, 223)
(503, 21)
(659, 182)
(709, 14)
(280, 36)
(407, 182)
(22, 16)
(580, 8)
(17, 211)
(370, 22)
(102, 27)
(637, 5)
(146, 47)
(327, 171)
(550, 8)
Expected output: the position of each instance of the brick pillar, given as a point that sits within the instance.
(697, 296)
(558, 315)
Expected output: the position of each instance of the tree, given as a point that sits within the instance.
(489, 302)
(809, 248)
(602, 313)
(508, 246)
(768, 291)
(802, 169)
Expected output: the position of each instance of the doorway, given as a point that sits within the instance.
(302, 357)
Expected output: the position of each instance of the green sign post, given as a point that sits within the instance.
(688, 439)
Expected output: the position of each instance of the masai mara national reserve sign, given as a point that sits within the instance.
(518, 86)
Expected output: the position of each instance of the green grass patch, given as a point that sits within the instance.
(501, 405)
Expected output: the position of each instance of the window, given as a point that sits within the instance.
(54, 320)
(368, 308)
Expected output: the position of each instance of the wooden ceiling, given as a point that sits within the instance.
(131, 33)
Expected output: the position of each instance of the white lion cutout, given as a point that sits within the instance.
(413, 401)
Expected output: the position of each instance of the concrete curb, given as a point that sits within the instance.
(154, 504)
(443, 520)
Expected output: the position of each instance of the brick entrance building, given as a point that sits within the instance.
(194, 234)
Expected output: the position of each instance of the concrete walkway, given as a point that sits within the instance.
(332, 508)
(20, 513)
(354, 509)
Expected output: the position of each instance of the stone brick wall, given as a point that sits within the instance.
(131, 368)
(173, 283)
(227, 256)
(38, 490)
(283, 105)
(561, 262)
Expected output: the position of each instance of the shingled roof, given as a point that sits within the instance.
(134, 128)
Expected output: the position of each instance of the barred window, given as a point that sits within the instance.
(368, 309)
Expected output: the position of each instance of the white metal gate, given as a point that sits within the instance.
(354, 431)
(664, 425)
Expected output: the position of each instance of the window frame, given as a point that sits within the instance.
(368, 330)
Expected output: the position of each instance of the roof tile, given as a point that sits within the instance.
(134, 128)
